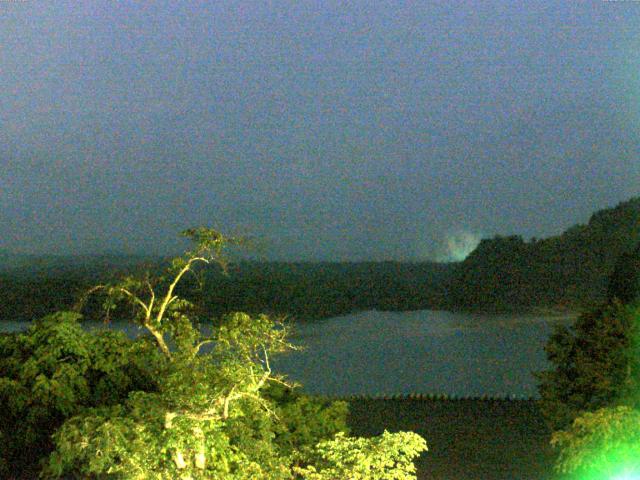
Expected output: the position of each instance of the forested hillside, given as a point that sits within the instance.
(562, 272)
(301, 290)
(36, 285)
(502, 274)
(315, 290)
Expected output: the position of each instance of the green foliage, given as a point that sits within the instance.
(387, 457)
(604, 444)
(592, 395)
(55, 370)
(177, 403)
(185, 430)
(303, 420)
(594, 364)
(624, 284)
(140, 440)
(209, 418)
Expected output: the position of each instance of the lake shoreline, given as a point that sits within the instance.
(563, 314)
(420, 352)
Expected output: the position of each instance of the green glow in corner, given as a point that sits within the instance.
(627, 476)
(605, 444)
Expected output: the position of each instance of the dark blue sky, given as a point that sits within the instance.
(334, 130)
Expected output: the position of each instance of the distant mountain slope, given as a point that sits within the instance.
(11, 261)
(566, 271)
(326, 289)
(300, 290)
(36, 285)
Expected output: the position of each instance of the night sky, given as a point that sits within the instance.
(333, 130)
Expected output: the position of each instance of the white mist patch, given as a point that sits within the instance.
(459, 245)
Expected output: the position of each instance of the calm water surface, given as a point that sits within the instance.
(426, 351)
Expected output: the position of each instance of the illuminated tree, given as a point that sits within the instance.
(54, 370)
(202, 402)
(601, 445)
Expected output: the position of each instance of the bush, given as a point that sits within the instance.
(388, 456)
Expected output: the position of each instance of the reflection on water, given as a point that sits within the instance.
(378, 353)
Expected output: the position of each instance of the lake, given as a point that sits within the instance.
(425, 351)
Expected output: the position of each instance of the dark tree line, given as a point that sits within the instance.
(299, 290)
(569, 271)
